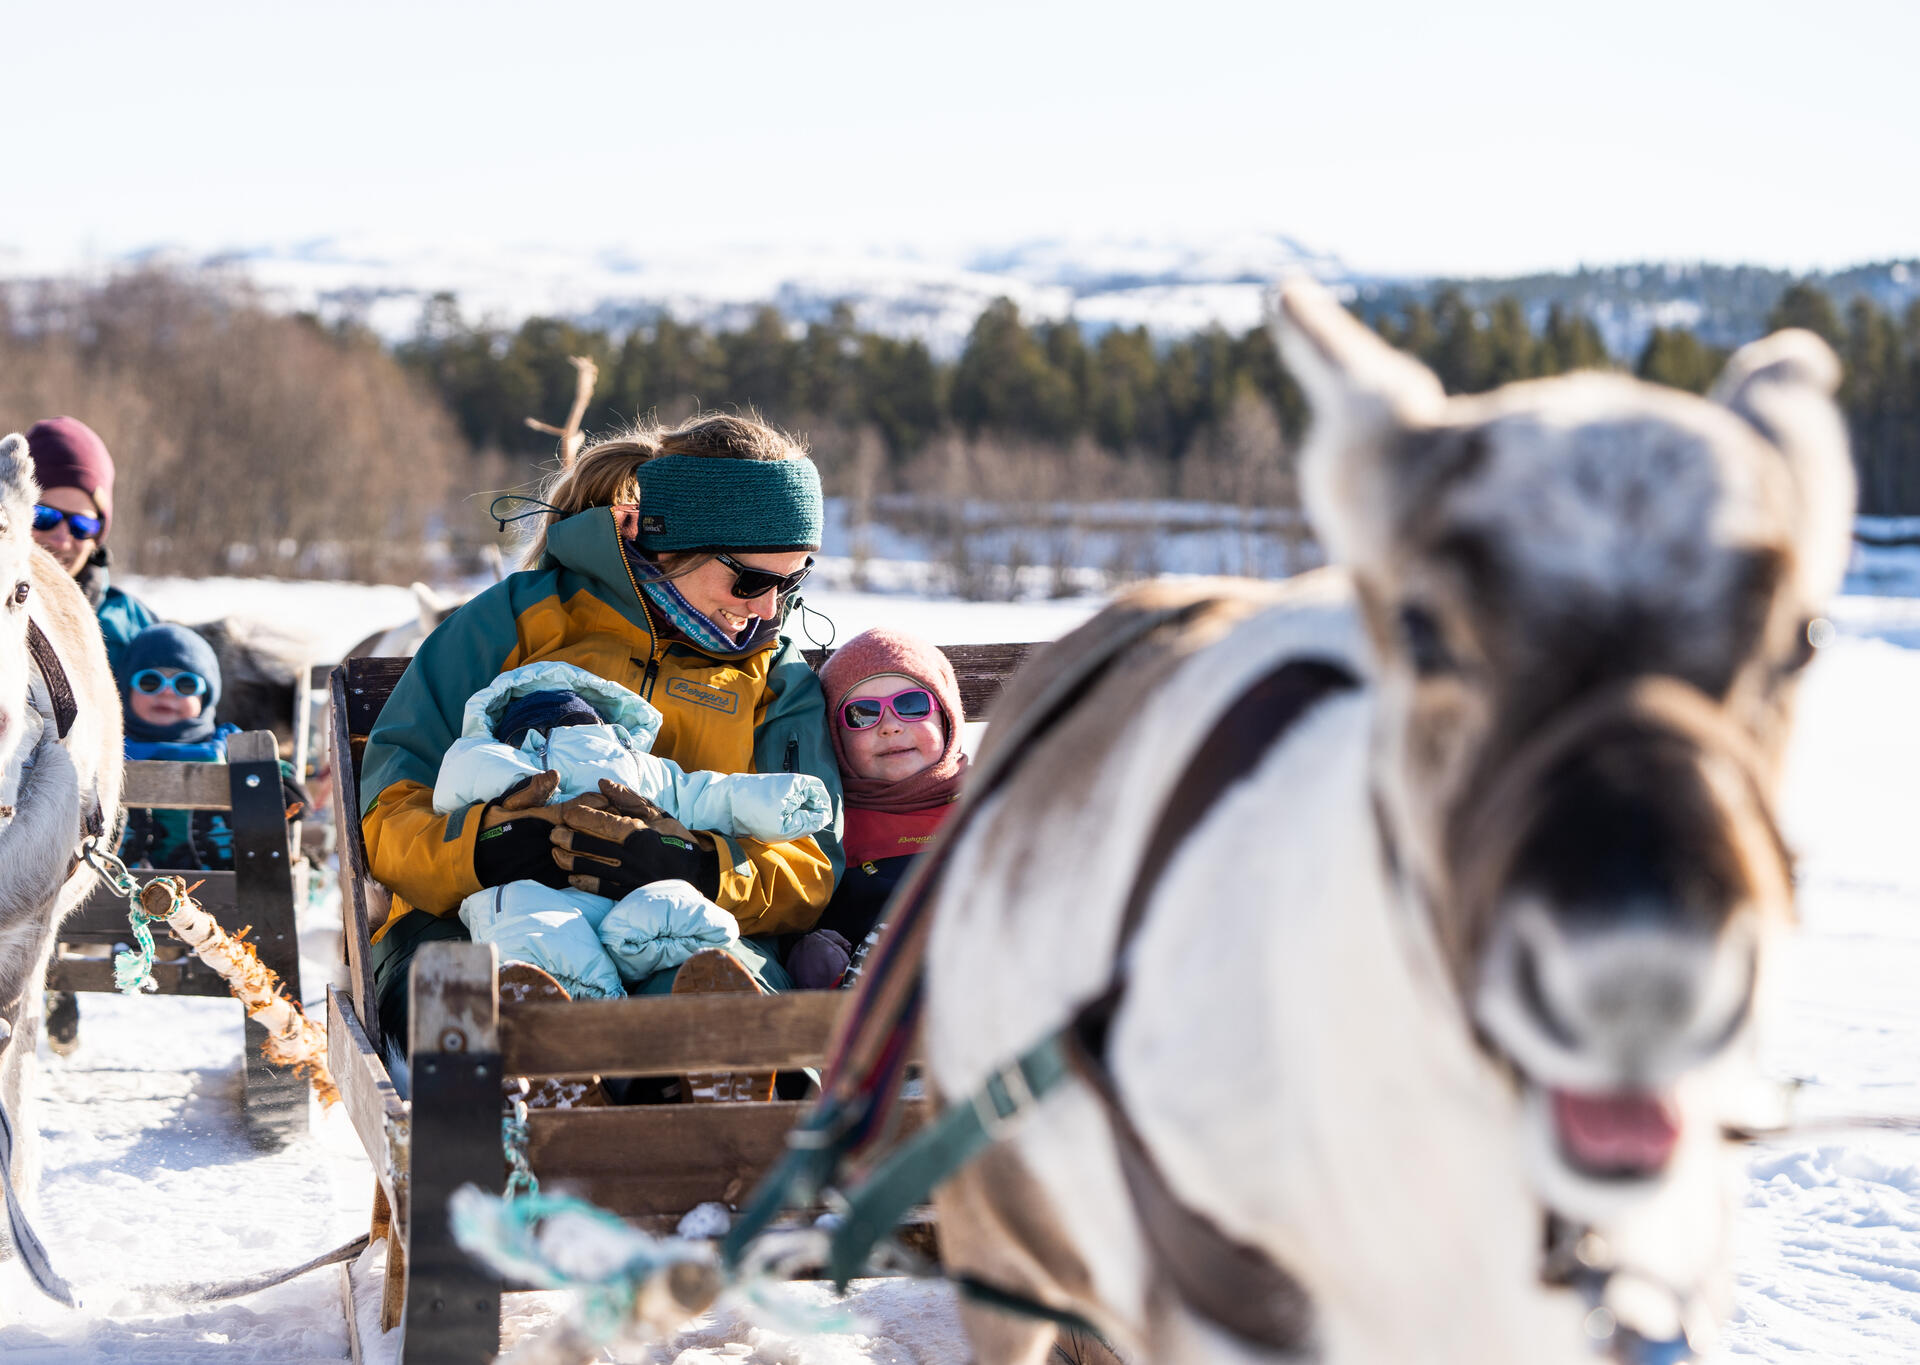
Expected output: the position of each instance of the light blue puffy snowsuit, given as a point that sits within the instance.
(590, 944)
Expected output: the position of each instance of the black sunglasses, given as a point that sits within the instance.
(79, 524)
(749, 582)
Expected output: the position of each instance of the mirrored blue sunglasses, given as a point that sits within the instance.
(79, 525)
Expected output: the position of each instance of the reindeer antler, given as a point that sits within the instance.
(587, 374)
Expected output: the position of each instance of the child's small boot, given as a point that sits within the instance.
(715, 970)
(520, 983)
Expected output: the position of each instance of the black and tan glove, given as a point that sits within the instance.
(515, 841)
(618, 841)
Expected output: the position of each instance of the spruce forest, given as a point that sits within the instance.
(1154, 404)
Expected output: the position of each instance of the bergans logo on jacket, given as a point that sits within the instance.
(759, 711)
(687, 690)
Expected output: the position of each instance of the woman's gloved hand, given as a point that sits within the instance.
(515, 842)
(619, 840)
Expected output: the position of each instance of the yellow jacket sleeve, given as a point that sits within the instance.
(423, 857)
(774, 888)
(782, 888)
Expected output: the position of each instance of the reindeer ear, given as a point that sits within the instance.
(1363, 393)
(431, 607)
(18, 490)
(1783, 387)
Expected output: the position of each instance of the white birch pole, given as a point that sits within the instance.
(292, 1039)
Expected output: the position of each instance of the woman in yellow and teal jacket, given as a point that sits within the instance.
(667, 565)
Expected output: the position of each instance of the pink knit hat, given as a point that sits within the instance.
(868, 655)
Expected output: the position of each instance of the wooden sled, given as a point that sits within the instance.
(263, 892)
(652, 1164)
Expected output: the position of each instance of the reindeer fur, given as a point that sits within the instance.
(58, 783)
(1322, 1050)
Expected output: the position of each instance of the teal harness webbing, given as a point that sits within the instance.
(861, 1083)
(1230, 1283)
(933, 1155)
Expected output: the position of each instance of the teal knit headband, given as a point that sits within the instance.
(704, 502)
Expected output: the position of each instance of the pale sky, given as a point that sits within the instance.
(1402, 135)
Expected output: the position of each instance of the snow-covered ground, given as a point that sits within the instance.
(149, 1181)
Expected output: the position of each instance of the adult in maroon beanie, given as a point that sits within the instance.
(75, 474)
(72, 518)
(893, 704)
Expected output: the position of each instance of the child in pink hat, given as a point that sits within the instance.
(893, 705)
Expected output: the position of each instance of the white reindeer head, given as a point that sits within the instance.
(1588, 599)
(18, 493)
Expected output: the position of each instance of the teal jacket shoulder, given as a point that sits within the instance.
(421, 718)
(122, 616)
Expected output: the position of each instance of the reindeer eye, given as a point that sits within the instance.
(1426, 647)
(20, 591)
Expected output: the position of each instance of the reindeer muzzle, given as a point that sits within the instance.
(1635, 776)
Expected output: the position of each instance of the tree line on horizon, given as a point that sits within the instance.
(1049, 384)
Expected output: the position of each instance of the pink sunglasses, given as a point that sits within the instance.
(908, 705)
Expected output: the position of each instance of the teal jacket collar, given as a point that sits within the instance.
(588, 543)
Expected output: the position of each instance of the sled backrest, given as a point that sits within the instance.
(261, 895)
(258, 891)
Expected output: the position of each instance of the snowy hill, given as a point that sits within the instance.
(1170, 287)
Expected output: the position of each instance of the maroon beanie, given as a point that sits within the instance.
(67, 454)
(868, 655)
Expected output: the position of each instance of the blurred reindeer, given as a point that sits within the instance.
(1432, 900)
(60, 766)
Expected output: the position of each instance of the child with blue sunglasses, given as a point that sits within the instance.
(898, 733)
(170, 689)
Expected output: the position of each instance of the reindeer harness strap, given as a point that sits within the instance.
(65, 709)
(1235, 1286)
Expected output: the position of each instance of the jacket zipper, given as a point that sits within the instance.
(657, 648)
(793, 754)
(653, 634)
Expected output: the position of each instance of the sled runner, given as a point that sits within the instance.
(652, 1164)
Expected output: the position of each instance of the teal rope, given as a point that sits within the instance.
(507, 1235)
(132, 971)
(521, 1181)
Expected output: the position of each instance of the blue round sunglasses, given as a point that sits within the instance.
(152, 680)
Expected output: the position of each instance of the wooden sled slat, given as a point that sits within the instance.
(378, 1114)
(658, 1161)
(176, 786)
(664, 1035)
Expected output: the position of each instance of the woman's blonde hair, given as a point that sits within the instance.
(602, 475)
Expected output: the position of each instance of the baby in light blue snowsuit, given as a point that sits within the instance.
(556, 717)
